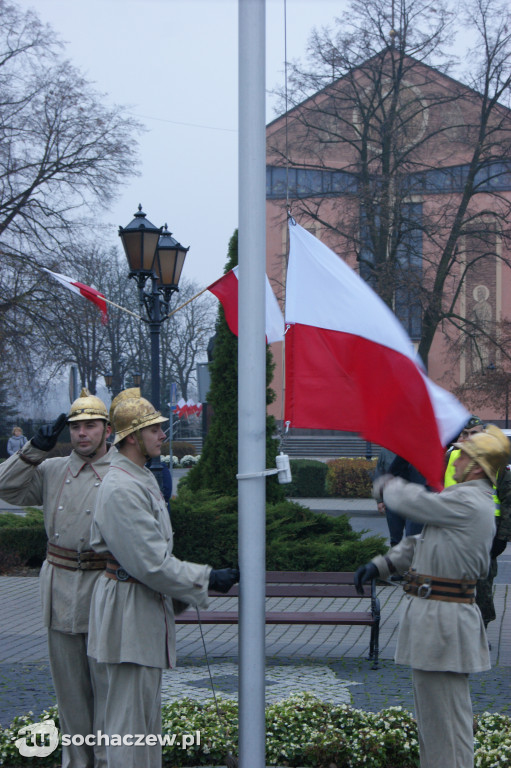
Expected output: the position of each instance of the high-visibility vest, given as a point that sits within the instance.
(449, 472)
(496, 498)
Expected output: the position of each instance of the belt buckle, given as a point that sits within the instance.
(122, 574)
(424, 589)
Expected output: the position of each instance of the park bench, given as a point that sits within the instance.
(300, 584)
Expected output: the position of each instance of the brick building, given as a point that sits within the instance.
(331, 162)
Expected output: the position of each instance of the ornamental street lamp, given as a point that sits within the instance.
(114, 388)
(153, 255)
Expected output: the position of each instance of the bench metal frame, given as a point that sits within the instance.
(329, 584)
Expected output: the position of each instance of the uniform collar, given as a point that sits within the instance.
(133, 469)
(76, 463)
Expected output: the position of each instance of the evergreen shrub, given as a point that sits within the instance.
(309, 477)
(350, 478)
(218, 463)
(297, 539)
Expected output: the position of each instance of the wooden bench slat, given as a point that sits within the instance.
(299, 590)
(332, 618)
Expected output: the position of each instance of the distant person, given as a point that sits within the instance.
(391, 464)
(16, 441)
(166, 482)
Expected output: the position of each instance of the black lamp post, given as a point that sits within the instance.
(153, 254)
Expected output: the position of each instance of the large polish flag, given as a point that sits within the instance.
(226, 290)
(87, 291)
(351, 366)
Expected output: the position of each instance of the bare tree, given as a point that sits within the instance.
(406, 168)
(184, 339)
(63, 152)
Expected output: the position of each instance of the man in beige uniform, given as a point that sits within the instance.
(67, 488)
(132, 626)
(441, 633)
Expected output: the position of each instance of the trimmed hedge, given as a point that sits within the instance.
(206, 531)
(350, 478)
(309, 477)
(22, 540)
(179, 448)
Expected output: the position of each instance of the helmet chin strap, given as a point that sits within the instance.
(468, 469)
(141, 445)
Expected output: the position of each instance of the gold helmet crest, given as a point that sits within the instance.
(87, 407)
(124, 395)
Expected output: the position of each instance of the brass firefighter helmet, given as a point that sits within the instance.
(490, 449)
(132, 414)
(87, 407)
(124, 395)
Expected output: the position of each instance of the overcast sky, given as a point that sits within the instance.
(175, 62)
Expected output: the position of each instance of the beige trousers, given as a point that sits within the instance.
(81, 686)
(133, 707)
(444, 718)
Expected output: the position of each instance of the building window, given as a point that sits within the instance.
(408, 266)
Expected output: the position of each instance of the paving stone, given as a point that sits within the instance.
(329, 662)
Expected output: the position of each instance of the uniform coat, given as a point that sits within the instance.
(455, 543)
(131, 521)
(132, 625)
(66, 488)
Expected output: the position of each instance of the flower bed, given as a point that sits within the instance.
(300, 731)
(187, 461)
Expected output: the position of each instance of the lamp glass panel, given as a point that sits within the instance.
(167, 261)
(179, 266)
(140, 247)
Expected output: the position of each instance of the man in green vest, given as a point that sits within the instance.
(472, 427)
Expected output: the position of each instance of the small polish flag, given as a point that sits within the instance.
(226, 290)
(82, 290)
(351, 366)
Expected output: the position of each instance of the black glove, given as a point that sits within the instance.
(498, 547)
(364, 574)
(223, 579)
(46, 437)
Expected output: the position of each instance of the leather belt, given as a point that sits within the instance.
(115, 571)
(72, 560)
(433, 588)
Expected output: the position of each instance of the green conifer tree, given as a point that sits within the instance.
(218, 464)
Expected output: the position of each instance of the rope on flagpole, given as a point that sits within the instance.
(283, 433)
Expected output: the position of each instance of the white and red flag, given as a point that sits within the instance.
(82, 290)
(351, 366)
(226, 290)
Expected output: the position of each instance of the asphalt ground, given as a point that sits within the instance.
(328, 661)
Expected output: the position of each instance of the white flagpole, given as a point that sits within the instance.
(252, 380)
